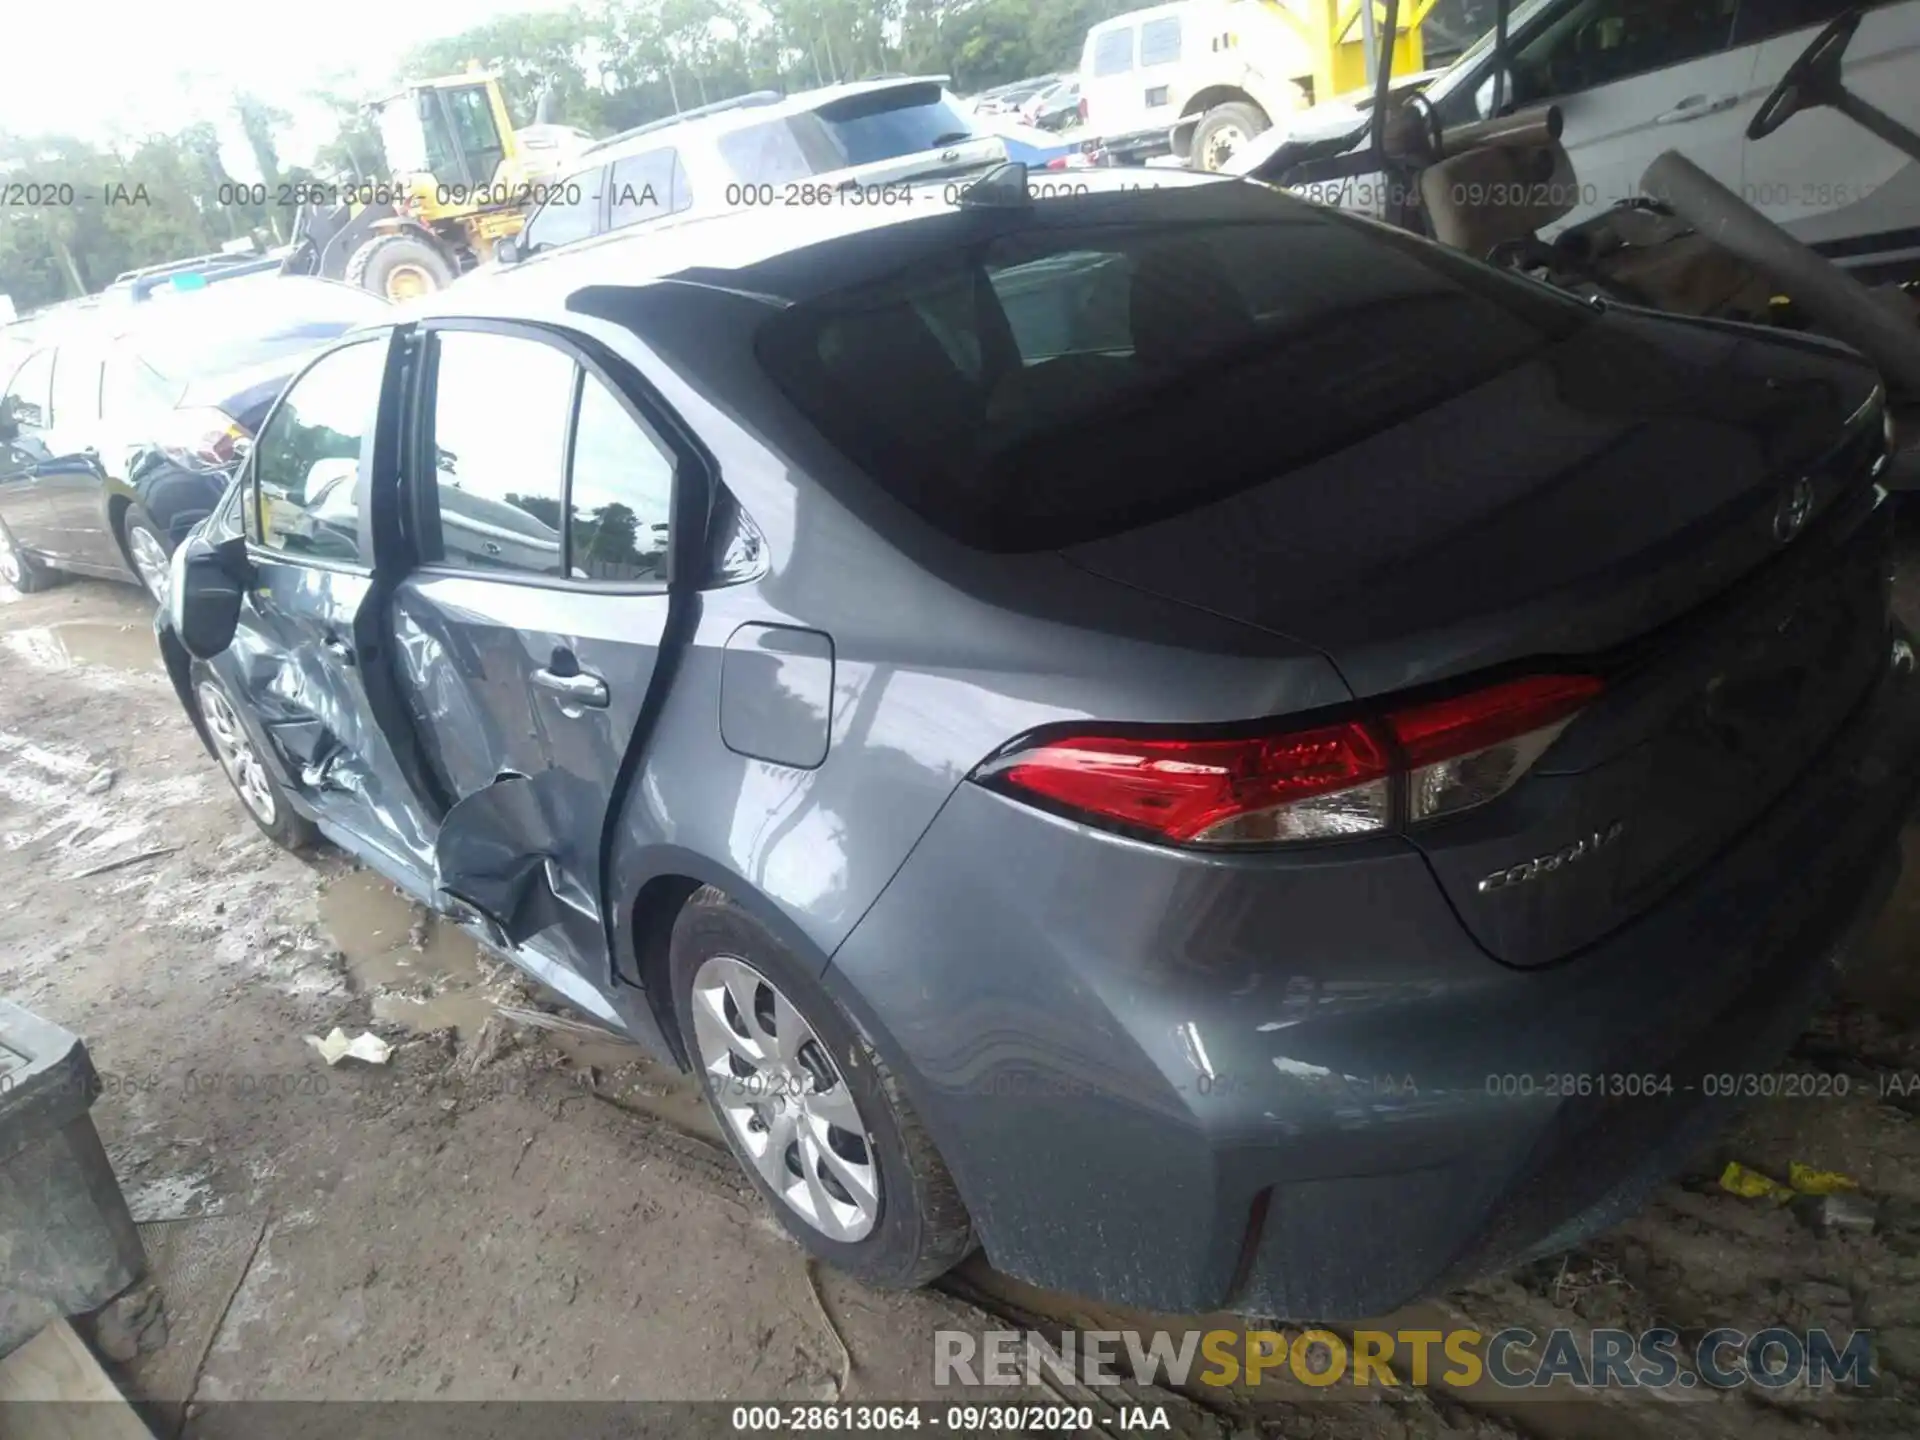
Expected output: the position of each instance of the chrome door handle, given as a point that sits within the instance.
(1696, 107)
(580, 689)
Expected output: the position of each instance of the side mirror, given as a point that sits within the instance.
(1483, 96)
(507, 251)
(208, 583)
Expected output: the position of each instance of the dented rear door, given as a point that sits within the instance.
(528, 634)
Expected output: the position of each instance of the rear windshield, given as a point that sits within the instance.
(240, 324)
(858, 130)
(1061, 384)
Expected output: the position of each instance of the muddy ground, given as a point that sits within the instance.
(510, 1210)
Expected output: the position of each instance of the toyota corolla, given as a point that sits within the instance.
(1229, 756)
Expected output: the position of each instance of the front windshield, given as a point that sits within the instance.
(403, 137)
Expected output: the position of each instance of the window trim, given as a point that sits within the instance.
(258, 550)
(691, 470)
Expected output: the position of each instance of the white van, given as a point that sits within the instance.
(1210, 73)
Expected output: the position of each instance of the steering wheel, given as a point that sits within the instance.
(1810, 82)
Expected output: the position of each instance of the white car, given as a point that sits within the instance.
(768, 151)
(1634, 78)
(1210, 74)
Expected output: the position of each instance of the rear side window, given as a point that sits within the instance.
(575, 487)
(499, 425)
(1160, 42)
(1056, 385)
(1113, 52)
(621, 493)
(771, 153)
(306, 462)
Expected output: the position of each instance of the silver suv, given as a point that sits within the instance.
(765, 150)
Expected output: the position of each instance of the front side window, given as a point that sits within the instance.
(306, 461)
(647, 187)
(1601, 42)
(1761, 19)
(1113, 52)
(572, 214)
(500, 408)
(621, 494)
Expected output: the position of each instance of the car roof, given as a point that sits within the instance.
(1156, 12)
(739, 117)
(806, 251)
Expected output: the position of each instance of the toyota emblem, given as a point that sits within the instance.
(1796, 508)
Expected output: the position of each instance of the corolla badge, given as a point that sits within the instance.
(1557, 860)
(1794, 510)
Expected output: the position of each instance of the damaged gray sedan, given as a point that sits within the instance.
(1228, 755)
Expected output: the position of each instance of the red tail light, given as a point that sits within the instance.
(1357, 777)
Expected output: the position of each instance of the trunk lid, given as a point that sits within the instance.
(1684, 508)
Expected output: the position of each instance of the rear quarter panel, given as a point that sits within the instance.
(940, 657)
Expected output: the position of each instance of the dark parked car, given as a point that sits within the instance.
(1232, 756)
(123, 423)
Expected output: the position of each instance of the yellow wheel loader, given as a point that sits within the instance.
(461, 183)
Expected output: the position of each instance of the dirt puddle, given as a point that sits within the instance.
(423, 973)
(99, 644)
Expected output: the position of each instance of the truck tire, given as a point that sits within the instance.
(1224, 129)
(400, 266)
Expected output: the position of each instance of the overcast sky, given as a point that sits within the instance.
(101, 68)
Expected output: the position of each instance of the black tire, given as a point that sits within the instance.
(1239, 115)
(375, 264)
(134, 519)
(21, 570)
(281, 823)
(922, 1229)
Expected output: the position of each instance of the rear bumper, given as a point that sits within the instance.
(1294, 1086)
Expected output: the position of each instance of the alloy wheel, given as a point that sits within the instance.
(150, 562)
(237, 755)
(785, 1101)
